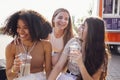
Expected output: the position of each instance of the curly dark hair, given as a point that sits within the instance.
(38, 26)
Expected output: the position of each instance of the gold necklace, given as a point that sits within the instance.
(26, 51)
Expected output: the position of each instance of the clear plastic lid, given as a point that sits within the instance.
(24, 56)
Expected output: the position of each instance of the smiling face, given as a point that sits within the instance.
(61, 20)
(82, 31)
(23, 31)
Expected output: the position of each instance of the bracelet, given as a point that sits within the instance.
(13, 71)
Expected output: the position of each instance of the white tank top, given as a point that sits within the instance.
(57, 43)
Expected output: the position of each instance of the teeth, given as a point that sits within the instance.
(62, 24)
(22, 35)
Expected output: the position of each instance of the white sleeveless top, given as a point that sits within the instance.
(57, 43)
(72, 67)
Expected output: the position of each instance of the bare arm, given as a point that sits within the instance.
(11, 70)
(48, 58)
(77, 56)
(86, 75)
(58, 67)
(61, 62)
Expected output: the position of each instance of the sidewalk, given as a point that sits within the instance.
(114, 68)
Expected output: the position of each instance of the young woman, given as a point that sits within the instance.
(88, 59)
(31, 28)
(61, 33)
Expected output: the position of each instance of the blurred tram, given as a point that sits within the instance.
(109, 10)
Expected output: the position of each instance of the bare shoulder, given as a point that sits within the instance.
(10, 50)
(46, 42)
(47, 46)
(11, 46)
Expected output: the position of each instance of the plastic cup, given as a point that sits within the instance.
(25, 66)
(73, 47)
